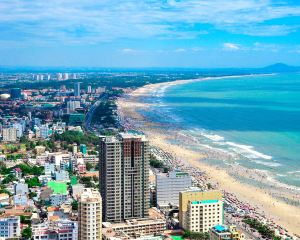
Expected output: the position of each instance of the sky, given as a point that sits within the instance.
(149, 33)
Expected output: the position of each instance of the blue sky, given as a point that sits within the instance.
(149, 33)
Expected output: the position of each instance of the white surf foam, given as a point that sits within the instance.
(248, 151)
(213, 137)
(268, 164)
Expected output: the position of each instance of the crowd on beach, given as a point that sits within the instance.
(235, 209)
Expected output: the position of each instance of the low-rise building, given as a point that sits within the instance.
(58, 199)
(92, 159)
(136, 228)
(222, 232)
(58, 230)
(49, 168)
(10, 227)
(20, 200)
(21, 188)
(61, 176)
(4, 199)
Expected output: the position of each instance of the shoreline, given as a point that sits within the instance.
(279, 211)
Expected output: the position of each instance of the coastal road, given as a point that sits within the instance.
(89, 115)
(229, 220)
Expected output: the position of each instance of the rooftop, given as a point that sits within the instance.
(58, 187)
(205, 201)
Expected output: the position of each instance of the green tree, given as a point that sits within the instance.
(8, 179)
(25, 220)
(31, 195)
(88, 166)
(33, 182)
(74, 205)
(27, 233)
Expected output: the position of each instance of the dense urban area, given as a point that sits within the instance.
(69, 170)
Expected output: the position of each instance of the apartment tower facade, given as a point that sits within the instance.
(90, 215)
(124, 177)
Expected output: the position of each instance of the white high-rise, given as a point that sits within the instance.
(65, 76)
(90, 215)
(168, 187)
(59, 76)
(9, 134)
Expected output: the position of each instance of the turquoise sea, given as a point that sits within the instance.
(254, 118)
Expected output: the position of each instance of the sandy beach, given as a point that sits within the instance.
(266, 204)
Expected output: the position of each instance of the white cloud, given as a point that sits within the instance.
(180, 50)
(231, 47)
(93, 21)
(128, 51)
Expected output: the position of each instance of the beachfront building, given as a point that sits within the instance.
(124, 173)
(222, 232)
(199, 211)
(135, 228)
(89, 215)
(168, 187)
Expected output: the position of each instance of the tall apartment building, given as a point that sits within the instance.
(59, 76)
(77, 89)
(89, 215)
(200, 211)
(72, 105)
(10, 227)
(169, 185)
(15, 93)
(124, 173)
(9, 134)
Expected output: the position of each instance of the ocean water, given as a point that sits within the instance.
(256, 119)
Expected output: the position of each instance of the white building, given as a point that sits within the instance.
(10, 227)
(89, 90)
(65, 76)
(59, 230)
(169, 185)
(19, 128)
(21, 188)
(9, 134)
(203, 215)
(90, 215)
(72, 105)
(59, 76)
(58, 199)
(44, 131)
(61, 175)
(49, 169)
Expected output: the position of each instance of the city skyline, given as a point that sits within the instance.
(169, 33)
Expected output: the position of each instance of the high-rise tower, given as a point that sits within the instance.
(90, 215)
(77, 89)
(124, 177)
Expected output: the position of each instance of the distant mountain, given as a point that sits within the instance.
(280, 68)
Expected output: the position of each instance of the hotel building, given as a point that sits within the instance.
(168, 187)
(199, 211)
